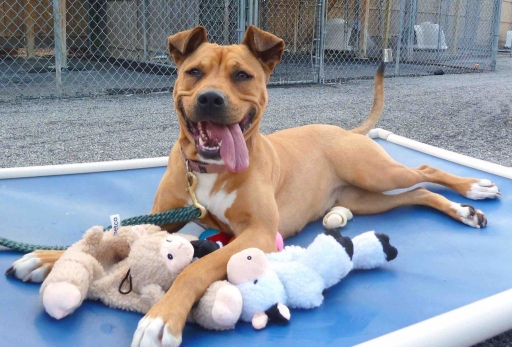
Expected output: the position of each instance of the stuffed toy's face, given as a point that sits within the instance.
(176, 252)
(247, 266)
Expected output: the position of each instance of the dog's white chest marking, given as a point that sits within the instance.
(216, 203)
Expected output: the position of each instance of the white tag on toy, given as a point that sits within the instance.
(115, 221)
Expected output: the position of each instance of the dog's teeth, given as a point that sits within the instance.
(201, 141)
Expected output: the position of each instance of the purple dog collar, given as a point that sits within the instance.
(202, 167)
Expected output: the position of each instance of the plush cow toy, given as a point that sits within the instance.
(297, 277)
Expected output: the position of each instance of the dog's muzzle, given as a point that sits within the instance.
(215, 139)
(211, 105)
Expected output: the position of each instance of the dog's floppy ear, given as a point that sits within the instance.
(266, 47)
(182, 44)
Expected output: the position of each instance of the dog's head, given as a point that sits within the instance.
(220, 93)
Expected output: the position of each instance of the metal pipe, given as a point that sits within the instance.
(295, 25)
(389, 9)
(225, 31)
(318, 45)
(496, 33)
(455, 30)
(379, 22)
(357, 25)
(58, 47)
(439, 29)
(345, 26)
(289, 82)
(321, 72)
(250, 14)
(241, 20)
(399, 42)
(256, 19)
(411, 21)
(144, 31)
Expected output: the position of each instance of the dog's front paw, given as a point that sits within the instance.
(483, 189)
(29, 268)
(154, 332)
(469, 215)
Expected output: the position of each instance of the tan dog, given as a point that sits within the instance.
(255, 185)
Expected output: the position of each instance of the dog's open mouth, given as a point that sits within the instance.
(220, 141)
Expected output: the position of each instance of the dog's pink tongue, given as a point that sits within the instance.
(233, 149)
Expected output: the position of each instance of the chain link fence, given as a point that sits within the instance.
(73, 48)
(423, 37)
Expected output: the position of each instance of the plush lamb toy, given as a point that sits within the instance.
(297, 277)
(132, 270)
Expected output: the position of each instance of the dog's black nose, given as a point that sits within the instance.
(211, 101)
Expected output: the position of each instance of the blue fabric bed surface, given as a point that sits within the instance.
(442, 264)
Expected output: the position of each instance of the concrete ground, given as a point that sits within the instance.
(467, 113)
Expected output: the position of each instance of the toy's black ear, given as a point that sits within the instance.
(203, 247)
(184, 43)
(390, 251)
(274, 314)
(346, 242)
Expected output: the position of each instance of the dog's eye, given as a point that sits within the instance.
(194, 72)
(255, 281)
(169, 256)
(242, 75)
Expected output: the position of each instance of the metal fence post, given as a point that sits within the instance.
(496, 33)
(58, 47)
(144, 30)
(321, 39)
(400, 31)
(438, 55)
(256, 13)
(250, 13)
(318, 39)
(241, 20)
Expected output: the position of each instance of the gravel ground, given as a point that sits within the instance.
(470, 114)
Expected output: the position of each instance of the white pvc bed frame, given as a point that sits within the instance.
(464, 326)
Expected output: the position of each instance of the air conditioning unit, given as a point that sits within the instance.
(337, 36)
(508, 41)
(427, 36)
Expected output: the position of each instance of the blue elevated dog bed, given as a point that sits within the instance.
(442, 265)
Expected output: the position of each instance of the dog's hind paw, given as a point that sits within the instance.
(337, 217)
(469, 215)
(483, 189)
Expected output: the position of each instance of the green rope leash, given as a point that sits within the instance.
(178, 215)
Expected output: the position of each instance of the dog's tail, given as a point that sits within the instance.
(378, 104)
